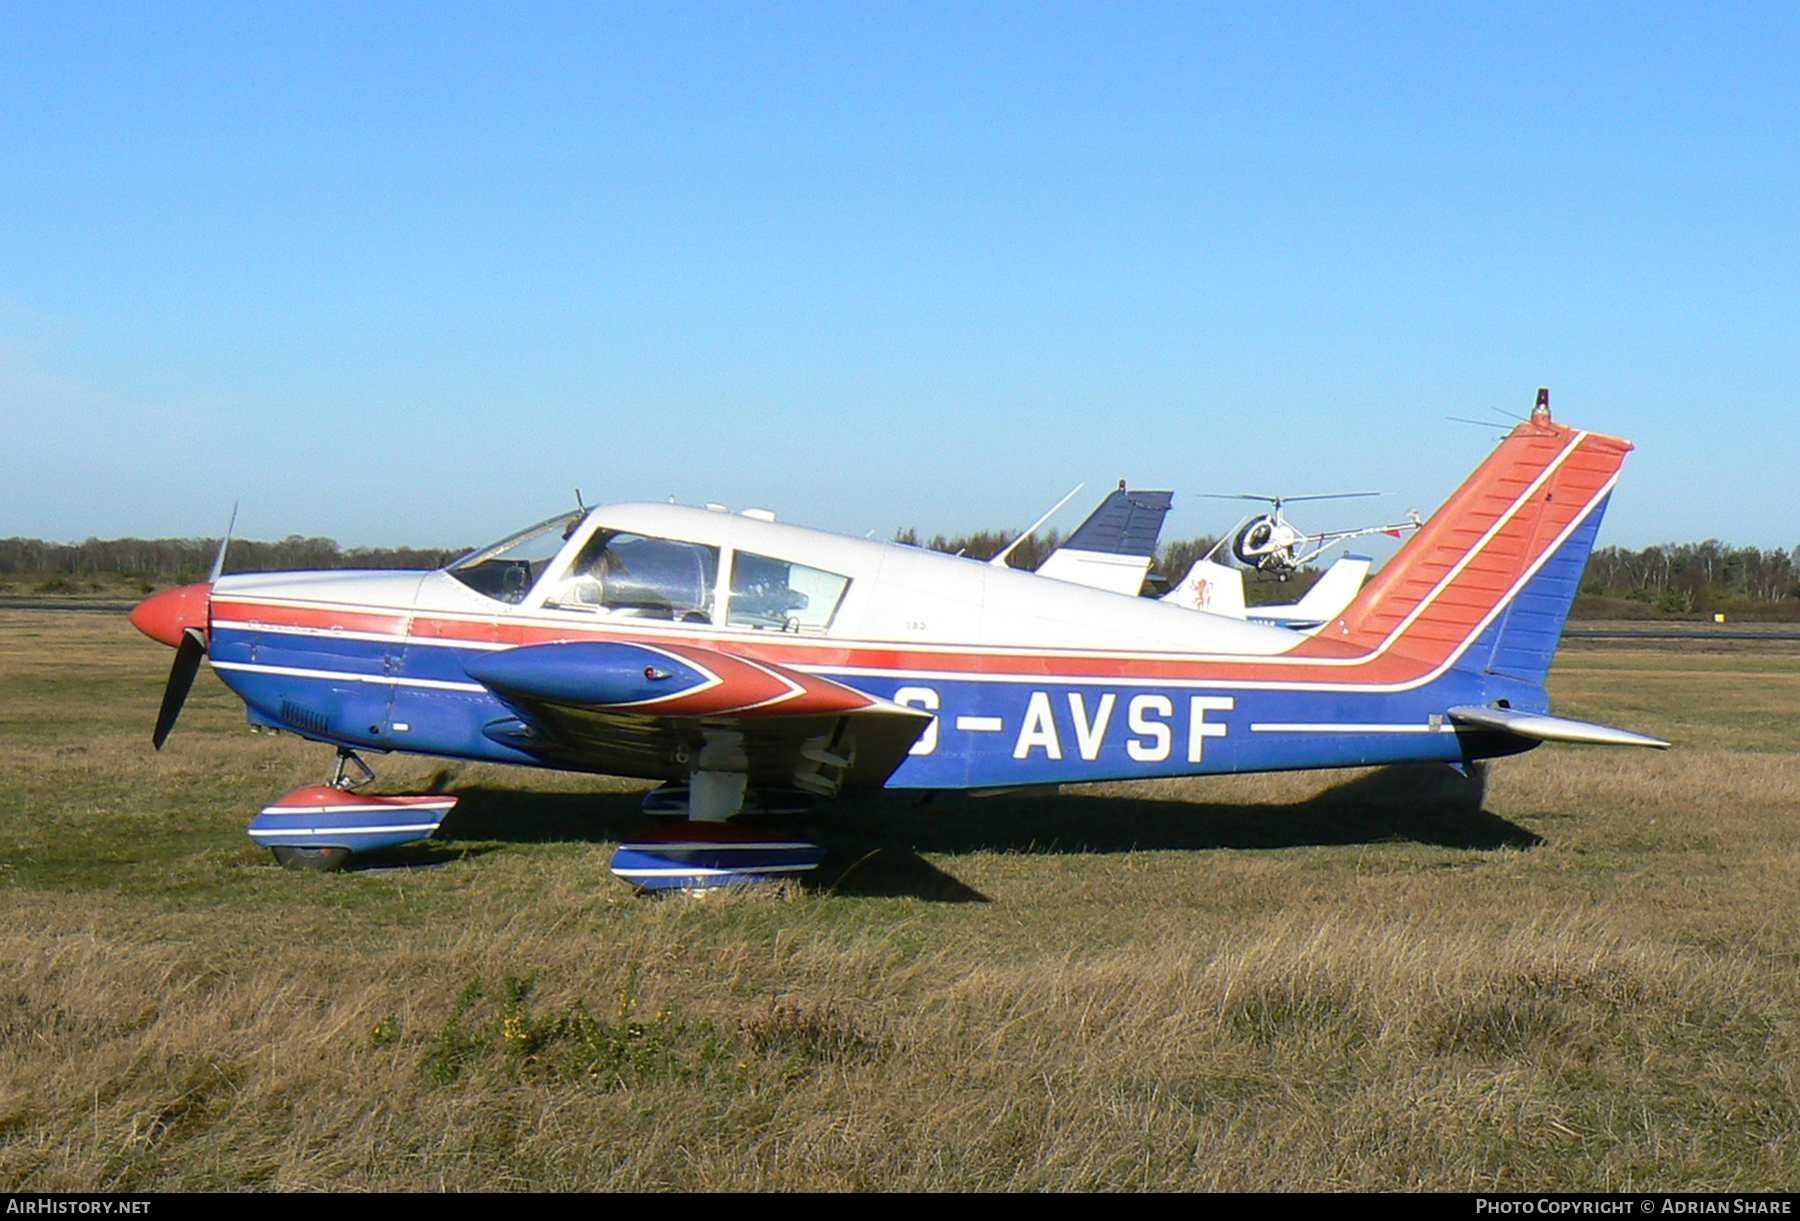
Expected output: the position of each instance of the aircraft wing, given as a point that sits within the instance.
(598, 705)
(1542, 727)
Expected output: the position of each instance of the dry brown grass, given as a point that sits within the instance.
(1263, 982)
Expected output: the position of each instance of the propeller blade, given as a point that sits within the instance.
(181, 680)
(219, 560)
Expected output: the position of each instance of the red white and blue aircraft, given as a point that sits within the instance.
(746, 663)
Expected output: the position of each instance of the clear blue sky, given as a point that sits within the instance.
(408, 274)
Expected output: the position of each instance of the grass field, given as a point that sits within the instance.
(1590, 979)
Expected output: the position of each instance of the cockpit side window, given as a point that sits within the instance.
(508, 569)
(780, 595)
(646, 578)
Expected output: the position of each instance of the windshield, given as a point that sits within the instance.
(508, 569)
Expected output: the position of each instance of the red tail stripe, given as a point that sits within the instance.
(1493, 491)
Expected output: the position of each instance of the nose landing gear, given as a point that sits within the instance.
(321, 826)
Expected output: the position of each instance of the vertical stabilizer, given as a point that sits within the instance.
(1212, 587)
(1112, 549)
(1489, 578)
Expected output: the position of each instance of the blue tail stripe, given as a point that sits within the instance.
(1522, 641)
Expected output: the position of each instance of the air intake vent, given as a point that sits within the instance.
(302, 718)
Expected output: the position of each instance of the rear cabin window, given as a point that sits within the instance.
(646, 578)
(782, 596)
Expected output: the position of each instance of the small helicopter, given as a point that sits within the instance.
(1270, 543)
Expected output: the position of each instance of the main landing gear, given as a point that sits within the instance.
(322, 826)
(705, 850)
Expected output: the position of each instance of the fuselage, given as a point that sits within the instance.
(1029, 679)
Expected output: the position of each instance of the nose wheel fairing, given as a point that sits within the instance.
(323, 816)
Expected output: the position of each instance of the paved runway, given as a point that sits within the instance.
(66, 604)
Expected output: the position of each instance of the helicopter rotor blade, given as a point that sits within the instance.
(1281, 500)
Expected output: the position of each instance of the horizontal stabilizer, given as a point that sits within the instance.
(1119, 574)
(1542, 727)
(1332, 592)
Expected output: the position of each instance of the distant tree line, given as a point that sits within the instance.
(986, 544)
(166, 561)
(1696, 578)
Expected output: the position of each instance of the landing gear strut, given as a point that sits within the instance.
(706, 850)
(347, 759)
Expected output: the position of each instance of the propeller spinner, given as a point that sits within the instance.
(178, 618)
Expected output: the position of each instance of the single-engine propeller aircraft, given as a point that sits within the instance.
(750, 664)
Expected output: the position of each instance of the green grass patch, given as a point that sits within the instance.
(1583, 979)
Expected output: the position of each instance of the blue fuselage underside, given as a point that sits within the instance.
(989, 731)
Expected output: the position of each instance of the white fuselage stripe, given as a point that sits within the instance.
(338, 676)
(317, 811)
(653, 849)
(1348, 727)
(698, 871)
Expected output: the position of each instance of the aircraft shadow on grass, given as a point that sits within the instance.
(874, 842)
